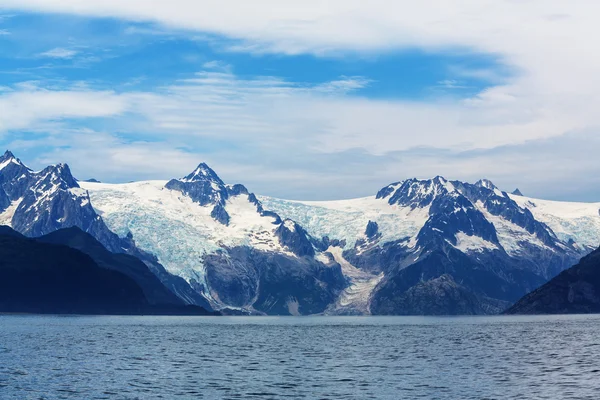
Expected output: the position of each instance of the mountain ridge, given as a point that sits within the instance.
(219, 245)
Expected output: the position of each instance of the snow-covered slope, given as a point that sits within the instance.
(220, 239)
(347, 219)
(579, 222)
(179, 231)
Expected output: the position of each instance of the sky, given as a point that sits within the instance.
(310, 99)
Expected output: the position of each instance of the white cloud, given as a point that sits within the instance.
(555, 59)
(550, 46)
(4, 32)
(29, 105)
(93, 154)
(290, 139)
(59, 53)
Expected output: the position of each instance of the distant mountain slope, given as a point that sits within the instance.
(46, 278)
(574, 291)
(134, 268)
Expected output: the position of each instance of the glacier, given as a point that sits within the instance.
(182, 233)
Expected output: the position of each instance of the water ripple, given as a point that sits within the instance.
(301, 358)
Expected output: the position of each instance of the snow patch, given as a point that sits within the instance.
(511, 236)
(11, 160)
(8, 214)
(467, 244)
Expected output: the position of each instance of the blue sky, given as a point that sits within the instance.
(310, 103)
(120, 55)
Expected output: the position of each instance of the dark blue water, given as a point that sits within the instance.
(310, 358)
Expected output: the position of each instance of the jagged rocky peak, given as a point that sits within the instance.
(56, 176)
(295, 238)
(517, 192)
(486, 183)
(9, 158)
(15, 179)
(416, 193)
(203, 186)
(388, 190)
(206, 188)
(11, 169)
(203, 173)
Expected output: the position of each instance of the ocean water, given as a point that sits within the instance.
(48, 357)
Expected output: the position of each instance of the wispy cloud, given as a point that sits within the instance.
(59, 52)
(217, 65)
(451, 84)
(344, 85)
(145, 30)
(4, 32)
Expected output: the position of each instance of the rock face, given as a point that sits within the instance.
(467, 287)
(273, 283)
(574, 291)
(295, 238)
(438, 296)
(372, 230)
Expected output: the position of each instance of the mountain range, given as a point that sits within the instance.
(417, 247)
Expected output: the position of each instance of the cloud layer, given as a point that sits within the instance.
(533, 129)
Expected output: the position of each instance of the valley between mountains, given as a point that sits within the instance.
(417, 247)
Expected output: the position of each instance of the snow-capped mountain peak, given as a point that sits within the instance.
(14, 175)
(203, 173)
(416, 193)
(203, 186)
(9, 158)
(485, 183)
(56, 176)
